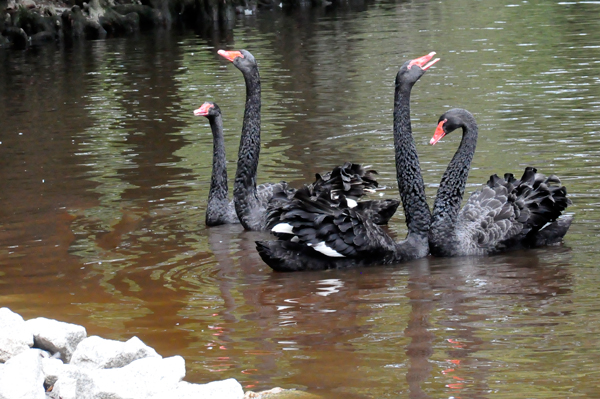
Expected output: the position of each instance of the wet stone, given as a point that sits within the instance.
(56, 336)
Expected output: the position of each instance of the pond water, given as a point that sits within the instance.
(104, 177)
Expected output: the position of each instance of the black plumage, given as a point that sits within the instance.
(320, 231)
(505, 214)
(253, 203)
(219, 210)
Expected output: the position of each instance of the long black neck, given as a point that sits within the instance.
(408, 171)
(217, 196)
(247, 205)
(452, 187)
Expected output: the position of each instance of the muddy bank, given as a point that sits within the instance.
(25, 23)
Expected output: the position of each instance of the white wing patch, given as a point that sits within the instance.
(351, 203)
(283, 228)
(327, 251)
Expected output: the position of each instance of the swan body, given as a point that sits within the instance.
(343, 185)
(506, 213)
(253, 204)
(318, 234)
(321, 233)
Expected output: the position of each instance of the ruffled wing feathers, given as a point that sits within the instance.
(508, 212)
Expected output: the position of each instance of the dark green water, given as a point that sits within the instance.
(104, 175)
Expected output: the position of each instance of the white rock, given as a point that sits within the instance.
(15, 337)
(68, 380)
(46, 354)
(226, 389)
(56, 336)
(148, 378)
(22, 377)
(55, 368)
(99, 353)
(52, 369)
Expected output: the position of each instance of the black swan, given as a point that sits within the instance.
(251, 202)
(317, 235)
(219, 210)
(350, 180)
(505, 214)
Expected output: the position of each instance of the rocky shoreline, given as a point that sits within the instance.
(43, 358)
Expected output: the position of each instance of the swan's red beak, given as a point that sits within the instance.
(423, 62)
(439, 133)
(230, 55)
(203, 110)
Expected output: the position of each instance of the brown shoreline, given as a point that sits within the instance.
(26, 23)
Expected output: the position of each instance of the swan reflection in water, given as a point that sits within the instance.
(463, 308)
(420, 325)
(458, 311)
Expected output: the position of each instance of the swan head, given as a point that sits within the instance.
(412, 70)
(242, 59)
(208, 109)
(452, 120)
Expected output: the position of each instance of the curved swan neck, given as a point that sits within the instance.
(217, 196)
(408, 170)
(244, 189)
(452, 187)
(218, 183)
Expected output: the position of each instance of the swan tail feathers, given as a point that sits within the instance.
(552, 233)
(533, 201)
(350, 179)
(517, 213)
(528, 175)
(541, 198)
(324, 199)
